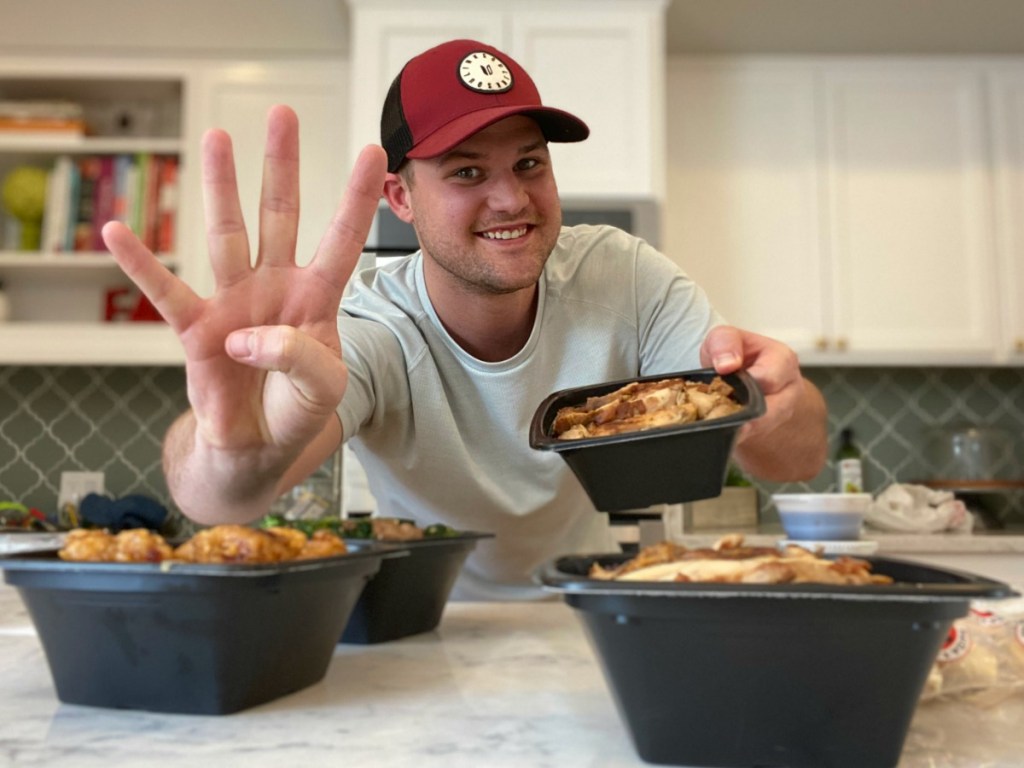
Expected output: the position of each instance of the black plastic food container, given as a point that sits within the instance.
(802, 676)
(187, 638)
(408, 595)
(665, 465)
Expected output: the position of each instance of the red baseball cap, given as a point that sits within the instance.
(446, 94)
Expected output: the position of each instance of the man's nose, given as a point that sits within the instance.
(508, 193)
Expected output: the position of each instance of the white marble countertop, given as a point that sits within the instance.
(495, 685)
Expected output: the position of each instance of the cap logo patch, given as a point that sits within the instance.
(484, 73)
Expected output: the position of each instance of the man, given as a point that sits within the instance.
(442, 357)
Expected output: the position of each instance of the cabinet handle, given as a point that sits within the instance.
(841, 344)
(821, 344)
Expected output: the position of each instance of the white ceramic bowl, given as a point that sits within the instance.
(822, 516)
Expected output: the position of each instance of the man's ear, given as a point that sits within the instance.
(396, 192)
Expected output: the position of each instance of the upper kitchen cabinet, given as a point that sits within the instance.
(82, 142)
(236, 97)
(603, 60)
(743, 195)
(841, 206)
(1007, 104)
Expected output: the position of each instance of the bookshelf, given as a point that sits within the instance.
(70, 303)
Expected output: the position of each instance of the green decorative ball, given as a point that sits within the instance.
(24, 192)
(24, 196)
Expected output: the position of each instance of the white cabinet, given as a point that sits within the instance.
(236, 97)
(841, 206)
(1007, 104)
(604, 61)
(59, 290)
(743, 195)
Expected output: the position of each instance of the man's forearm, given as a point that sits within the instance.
(213, 486)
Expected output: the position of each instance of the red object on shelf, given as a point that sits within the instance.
(126, 304)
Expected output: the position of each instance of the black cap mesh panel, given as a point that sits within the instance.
(395, 136)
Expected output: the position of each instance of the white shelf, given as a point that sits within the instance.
(89, 344)
(34, 261)
(94, 145)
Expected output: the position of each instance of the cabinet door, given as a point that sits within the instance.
(607, 66)
(743, 195)
(909, 212)
(1007, 100)
(236, 98)
(384, 37)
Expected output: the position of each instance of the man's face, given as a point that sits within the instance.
(487, 212)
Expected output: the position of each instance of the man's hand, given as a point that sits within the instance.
(263, 357)
(790, 441)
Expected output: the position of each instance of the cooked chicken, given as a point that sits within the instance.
(219, 544)
(234, 544)
(322, 544)
(389, 529)
(141, 545)
(137, 545)
(646, 405)
(728, 561)
(87, 545)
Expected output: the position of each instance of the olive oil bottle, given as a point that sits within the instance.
(849, 468)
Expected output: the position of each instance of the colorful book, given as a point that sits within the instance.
(104, 194)
(89, 173)
(58, 203)
(167, 205)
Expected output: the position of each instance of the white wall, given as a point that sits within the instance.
(229, 28)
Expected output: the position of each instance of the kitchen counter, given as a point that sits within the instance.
(496, 685)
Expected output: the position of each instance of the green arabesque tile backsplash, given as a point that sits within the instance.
(112, 419)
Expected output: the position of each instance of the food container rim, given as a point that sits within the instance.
(423, 543)
(754, 407)
(965, 586)
(47, 560)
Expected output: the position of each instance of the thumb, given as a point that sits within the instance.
(722, 349)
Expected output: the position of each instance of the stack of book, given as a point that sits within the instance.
(84, 192)
(41, 118)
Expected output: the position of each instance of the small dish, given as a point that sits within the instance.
(822, 516)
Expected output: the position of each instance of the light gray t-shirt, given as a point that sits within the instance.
(443, 437)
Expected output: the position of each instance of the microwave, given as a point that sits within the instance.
(390, 236)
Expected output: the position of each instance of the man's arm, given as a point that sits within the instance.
(790, 442)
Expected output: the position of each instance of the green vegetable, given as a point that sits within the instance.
(360, 528)
(439, 531)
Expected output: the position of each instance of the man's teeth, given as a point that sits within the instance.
(505, 234)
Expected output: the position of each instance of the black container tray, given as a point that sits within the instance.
(408, 595)
(665, 465)
(802, 676)
(188, 638)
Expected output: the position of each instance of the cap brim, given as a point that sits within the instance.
(556, 125)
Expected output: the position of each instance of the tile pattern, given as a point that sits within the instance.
(113, 419)
(894, 414)
(56, 419)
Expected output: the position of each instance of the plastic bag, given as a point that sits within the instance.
(918, 509)
(982, 660)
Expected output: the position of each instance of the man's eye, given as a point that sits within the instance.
(466, 173)
(527, 163)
